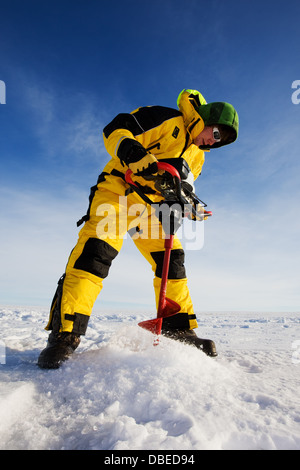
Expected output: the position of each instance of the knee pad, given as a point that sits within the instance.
(176, 269)
(96, 257)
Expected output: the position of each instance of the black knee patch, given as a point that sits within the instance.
(96, 257)
(176, 269)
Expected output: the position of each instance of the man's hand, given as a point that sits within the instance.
(146, 166)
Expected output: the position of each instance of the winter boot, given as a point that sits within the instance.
(59, 348)
(189, 337)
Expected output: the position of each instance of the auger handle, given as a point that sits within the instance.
(161, 166)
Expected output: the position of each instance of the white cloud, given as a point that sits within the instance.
(68, 127)
(36, 239)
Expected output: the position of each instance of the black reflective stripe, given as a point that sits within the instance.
(117, 173)
(80, 322)
(180, 321)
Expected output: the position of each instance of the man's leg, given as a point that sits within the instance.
(177, 289)
(99, 242)
(179, 326)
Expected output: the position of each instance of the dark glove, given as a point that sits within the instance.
(146, 166)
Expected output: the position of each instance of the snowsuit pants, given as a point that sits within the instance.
(100, 240)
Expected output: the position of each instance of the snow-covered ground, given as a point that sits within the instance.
(119, 392)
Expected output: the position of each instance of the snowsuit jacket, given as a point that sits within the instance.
(168, 134)
(165, 132)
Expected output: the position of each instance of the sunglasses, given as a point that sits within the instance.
(216, 134)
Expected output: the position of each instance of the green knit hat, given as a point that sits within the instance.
(223, 115)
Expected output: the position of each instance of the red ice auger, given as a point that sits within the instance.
(180, 202)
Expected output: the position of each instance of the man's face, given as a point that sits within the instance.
(205, 138)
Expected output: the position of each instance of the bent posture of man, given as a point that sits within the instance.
(137, 141)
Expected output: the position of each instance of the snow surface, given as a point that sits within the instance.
(119, 392)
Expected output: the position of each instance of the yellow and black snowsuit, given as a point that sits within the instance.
(168, 134)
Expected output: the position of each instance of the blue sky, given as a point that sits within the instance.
(70, 66)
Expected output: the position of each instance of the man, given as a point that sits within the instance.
(137, 141)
